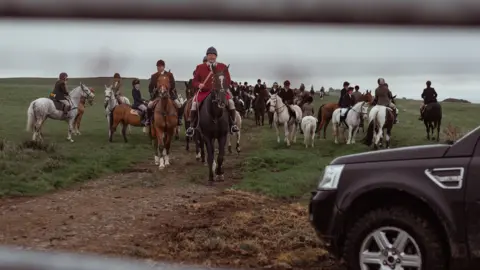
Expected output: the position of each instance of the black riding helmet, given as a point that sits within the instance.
(135, 81)
(116, 76)
(429, 83)
(346, 84)
(63, 76)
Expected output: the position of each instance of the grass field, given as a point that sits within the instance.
(271, 168)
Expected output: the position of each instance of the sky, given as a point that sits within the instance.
(313, 54)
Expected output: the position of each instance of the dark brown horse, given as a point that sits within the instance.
(165, 122)
(432, 118)
(190, 91)
(260, 106)
(325, 112)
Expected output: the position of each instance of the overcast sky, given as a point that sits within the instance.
(316, 55)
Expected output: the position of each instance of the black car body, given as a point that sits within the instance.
(436, 188)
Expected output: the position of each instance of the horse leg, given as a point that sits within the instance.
(201, 144)
(355, 132)
(263, 118)
(221, 154)
(379, 136)
(168, 142)
(287, 133)
(350, 131)
(335, 132)
(210, 156)
(229, 143)
(278, 133)
(427, 128)
(325, 129)
(155, 151)
(387, 138)
(439, 123)
(294, 133)
(177, 136)
(124, 131)
(112, 128)
(198, 148)
(70, 129)
(160, 148)
(37, 128)
(237, 147)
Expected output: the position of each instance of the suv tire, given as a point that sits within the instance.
(426, 237)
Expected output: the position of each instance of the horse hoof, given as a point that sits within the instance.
(161, 167)
(70, 140)
(433, 138)
(220, 178)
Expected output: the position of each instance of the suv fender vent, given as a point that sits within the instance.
(446, 178)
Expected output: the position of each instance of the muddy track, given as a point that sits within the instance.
(147, 214)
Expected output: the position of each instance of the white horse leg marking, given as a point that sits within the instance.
(287, 133)
(166, 157)
(387, 140)
(238, 141)
(294, 131)
(335, 132)
(350, 131)
(355, 132)
(70, 129)
(157, 160)
(278, 133)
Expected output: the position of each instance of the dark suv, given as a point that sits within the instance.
(405, 208)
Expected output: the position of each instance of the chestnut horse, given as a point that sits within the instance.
(80, 111)
(119, 113)
(325, 112)
(165, 122)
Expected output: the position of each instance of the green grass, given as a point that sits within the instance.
(26, 171)
(272, 169)
(292, 172)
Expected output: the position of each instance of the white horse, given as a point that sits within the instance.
(309, 125)
(379, 118)
(238, 122)
(353, 119)
(43, 108)
(282, 117)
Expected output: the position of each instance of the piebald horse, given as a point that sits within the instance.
(379, 118)
(282, 117)
(353, 120)
(43, 108)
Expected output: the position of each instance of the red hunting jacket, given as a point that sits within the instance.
(201, 73)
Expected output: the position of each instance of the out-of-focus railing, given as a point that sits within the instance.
(14, 259)
(405, 12)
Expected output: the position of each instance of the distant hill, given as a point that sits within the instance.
(456, 100)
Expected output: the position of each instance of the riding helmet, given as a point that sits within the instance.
(135, 81)
(212, 50)
(275, 83)
(245, 83)
(160, 63)
(259, 81)
(346, 83)
(381, 81)
(286, 83)
(429, 83)
(63, 76)
(350, 87)
(357, 87)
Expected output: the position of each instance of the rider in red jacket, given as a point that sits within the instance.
(205, 87)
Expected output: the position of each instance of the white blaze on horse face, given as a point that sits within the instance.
(221, 77)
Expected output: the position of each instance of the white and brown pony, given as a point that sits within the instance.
(281, 116)
(379, 118)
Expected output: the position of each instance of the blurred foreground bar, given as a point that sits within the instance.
(14, 259)
(398, 12)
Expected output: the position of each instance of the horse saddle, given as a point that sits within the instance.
(58, 105)
(135, 112)
(343, 115)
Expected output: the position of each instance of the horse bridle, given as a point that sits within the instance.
(278, 111)
(362, 114)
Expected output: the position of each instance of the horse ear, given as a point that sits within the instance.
(394, 96)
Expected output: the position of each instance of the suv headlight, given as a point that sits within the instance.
(331, 177)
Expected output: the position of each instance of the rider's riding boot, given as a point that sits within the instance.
(146, 117)
(421, 115)
(193, 123)
(179, 120)
(231, 118)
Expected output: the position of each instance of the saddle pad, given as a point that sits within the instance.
(58, 105)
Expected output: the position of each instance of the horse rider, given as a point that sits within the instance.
(287, 96)
(357, 95)
(257, 89)
(139, 103)
(343, 92)
(60, 93)
(235, 90)
(172, 89)
(429, 96)
(116, 87)
(383, 96)
(346, 103)
(202, 73)
(307, 108)
(274, 90)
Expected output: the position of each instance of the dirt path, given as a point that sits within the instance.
(167, 215)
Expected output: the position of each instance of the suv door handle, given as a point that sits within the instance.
(446, 178)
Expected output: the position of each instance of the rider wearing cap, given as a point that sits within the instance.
(202, 73)
(274, 89)
(346, 102)
(60, 92)
(152, 86)
(343, 92)
(383, 96)
(116, 87)
(256, 90)
(139, 102)
(429, 96)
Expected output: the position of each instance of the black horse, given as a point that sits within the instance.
(432, 118)
(213, 124)
(260, 107)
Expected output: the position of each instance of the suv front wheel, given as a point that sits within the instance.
(393, 238)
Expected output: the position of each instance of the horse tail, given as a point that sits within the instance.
(31, 116)
(319, 117)
(371, 128)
